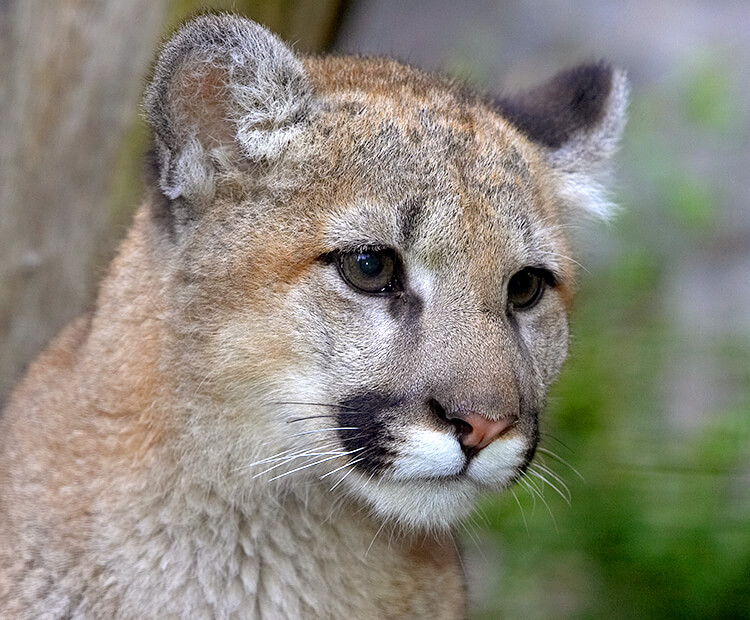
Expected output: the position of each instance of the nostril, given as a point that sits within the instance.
(474, 431)
(462, 427)
(483, 430)
(437, 409)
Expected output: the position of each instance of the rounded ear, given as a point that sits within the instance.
(577, 117)
(223, 88)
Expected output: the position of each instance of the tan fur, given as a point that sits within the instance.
(176, 452)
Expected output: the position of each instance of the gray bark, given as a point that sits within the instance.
(71, 74)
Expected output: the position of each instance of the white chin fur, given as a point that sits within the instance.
(423, 490)
(434, 504)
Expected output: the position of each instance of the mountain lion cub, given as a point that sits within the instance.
(331, 326)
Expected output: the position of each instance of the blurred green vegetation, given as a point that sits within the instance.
(661, 526)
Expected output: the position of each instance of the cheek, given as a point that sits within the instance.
(233, 353)
(546, 339)
(355, 342)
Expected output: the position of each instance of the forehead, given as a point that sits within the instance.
(420, 162)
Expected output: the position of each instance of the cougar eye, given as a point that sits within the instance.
(369, 270)
(526, 288)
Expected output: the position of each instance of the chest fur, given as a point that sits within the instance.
(286, 558)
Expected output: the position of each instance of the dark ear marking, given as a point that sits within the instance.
(577, 118)
(570, 102)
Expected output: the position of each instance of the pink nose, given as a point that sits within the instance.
(477, 431)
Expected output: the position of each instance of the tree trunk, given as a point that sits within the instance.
(71, 78)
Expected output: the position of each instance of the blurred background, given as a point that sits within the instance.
(647, 434)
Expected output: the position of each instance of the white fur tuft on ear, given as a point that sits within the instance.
(224, 88)
(583, 162)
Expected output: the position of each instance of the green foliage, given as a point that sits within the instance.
(708, 97)
(691, 203)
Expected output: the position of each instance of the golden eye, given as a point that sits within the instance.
(369, 270)
(526, 288)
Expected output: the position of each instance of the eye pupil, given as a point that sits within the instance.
(370, 264)
(525, 289)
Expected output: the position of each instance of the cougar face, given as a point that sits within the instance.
(444, 278)
(402, 308)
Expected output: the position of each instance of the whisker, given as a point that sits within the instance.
(560, 488)
(285, 454)
(530, 490)
(285, 457)
(470, 528)
(345, 475)
(311, 417)
(333, 471)
(312, 404)
(543, 466)
(330, 458)
(568, 258)
(458, 553)
(553, 438)
(558, 458)
(268, 459)
(382, 525)
(483, 514)
(277, 465)
(546, 505)
(541, 477)
(523, 516)
(292, 458)
(550, 228)
(532, 484)
(326, 430)
(340, 414)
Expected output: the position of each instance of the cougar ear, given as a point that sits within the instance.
(577, 117)
(224, 88)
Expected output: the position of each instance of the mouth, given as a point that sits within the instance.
(432, 484)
